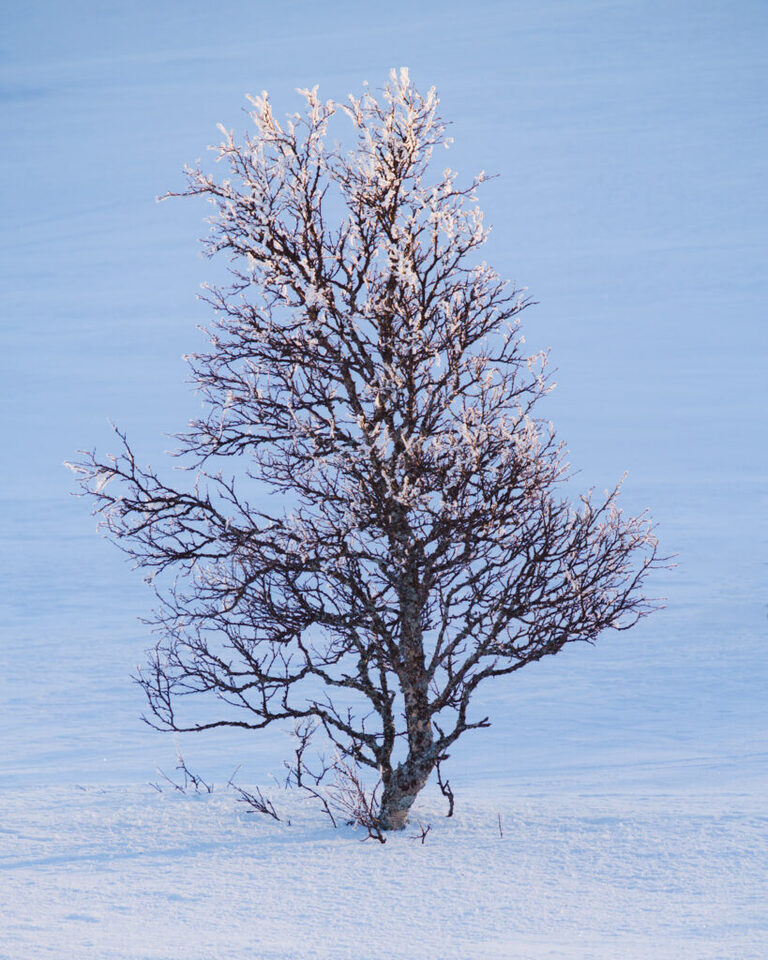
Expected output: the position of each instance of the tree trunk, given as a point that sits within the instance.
(402, 788)
(402, 785)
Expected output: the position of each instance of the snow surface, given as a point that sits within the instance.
(129, 873)
(631, 777)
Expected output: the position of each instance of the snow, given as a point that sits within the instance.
(630, 777)
(130, 873)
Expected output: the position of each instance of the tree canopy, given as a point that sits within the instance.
(366, 368)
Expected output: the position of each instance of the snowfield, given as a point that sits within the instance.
(631, 778)
(119, 873)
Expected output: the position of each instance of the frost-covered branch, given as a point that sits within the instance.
(366, 366)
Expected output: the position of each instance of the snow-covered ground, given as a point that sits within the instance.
(120, 873)
(631, 778)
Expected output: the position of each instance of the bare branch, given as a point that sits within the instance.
(423, 831)
(367, 368)
(256, 802)
(445, 788)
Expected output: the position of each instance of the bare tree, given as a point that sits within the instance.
(366, 368)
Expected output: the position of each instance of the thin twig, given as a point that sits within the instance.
(424, 831)
(445, 789)
(256, 801)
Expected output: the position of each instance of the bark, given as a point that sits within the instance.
(403, 784)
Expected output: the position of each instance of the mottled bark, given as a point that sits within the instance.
(403, 784)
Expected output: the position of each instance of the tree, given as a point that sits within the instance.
(367, 367)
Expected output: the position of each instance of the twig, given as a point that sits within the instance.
(189, 779)
(319, 796)
(424, 831)
(349, 796)
(445, 789)
(256, 801)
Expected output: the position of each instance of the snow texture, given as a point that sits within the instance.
(129, 873)
(630, 777)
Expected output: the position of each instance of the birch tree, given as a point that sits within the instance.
(365, 367)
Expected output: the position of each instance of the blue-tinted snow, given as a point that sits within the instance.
(630, 140)
(130, 874)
